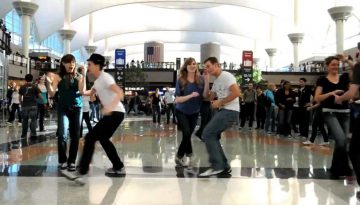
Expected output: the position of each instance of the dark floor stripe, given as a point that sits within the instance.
(25, 142)
(17, 170)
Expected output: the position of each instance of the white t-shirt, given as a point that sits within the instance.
(106, 95)
(86, 105)
(221, 87)
(169, 97)
(15, 97)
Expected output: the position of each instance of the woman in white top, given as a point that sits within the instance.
(15, 106)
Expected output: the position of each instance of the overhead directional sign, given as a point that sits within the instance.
(247, 68)
(120, 61)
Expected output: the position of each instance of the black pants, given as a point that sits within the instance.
(170, 108)
(85, 117)
(354, 151)
(205, 113)
(318, 123)
(156, 113)
(187, 124)
(14, 108)
(41, 115)
(304, 120)
(102, 132)
(260, 117)
(249, 113)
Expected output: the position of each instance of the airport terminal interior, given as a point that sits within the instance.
(278, 150)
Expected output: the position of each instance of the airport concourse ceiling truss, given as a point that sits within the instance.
(184, 25)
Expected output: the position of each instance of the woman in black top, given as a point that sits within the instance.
(336, 116)
(285, 101)
(260, 108)
(156, 99)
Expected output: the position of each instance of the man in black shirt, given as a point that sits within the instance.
(304, 96)
(28, 94)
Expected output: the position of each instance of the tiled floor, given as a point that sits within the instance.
(266, 170)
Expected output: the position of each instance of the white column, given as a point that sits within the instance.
(67, 14)
(67, 35)
(210, 49)
(271, 52)
(26, 10)
(91, 30)
(296, 39)
(340, 14)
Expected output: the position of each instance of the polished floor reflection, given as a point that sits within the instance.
(265, 170)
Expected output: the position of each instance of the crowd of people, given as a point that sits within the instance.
(332, 106)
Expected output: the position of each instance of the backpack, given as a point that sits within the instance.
(267, 100)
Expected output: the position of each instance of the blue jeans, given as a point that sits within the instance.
(26, 113)
(219, 123)
(68, 120)
(338, 125)
(270, 119)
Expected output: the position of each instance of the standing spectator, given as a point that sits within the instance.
(85, 114)
(15, 107)
(42, 103)
(260, 108)
(249, 98)
(28, 94)
(270, 109)
(9, 93)
(134, 103)
(336, 116)
(304, 97)
(286, 100)
(169, 99)
(156, 110)
(227, 103)
(190, 88)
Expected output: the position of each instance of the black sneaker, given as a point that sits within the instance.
(227, 170)
(115, 172)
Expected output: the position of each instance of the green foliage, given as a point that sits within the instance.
(257, 76)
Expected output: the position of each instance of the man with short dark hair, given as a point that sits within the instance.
(227, 92)
(28, 94)
(304, 101)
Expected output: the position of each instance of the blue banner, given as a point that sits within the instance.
(120, 58)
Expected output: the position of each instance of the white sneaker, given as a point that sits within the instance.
(324, 144)
(308, 142)
(9, 123)
(63, 166)
(19, 124)
(210, 172)
(73, 176)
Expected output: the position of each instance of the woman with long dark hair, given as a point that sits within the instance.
(70, 85)
(190, 89)
(285, 102)
(336, 116)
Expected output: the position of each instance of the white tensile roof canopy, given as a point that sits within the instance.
(184, 25)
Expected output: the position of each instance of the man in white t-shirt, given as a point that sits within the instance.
(113, 111)
(227, 92)
(169, 99)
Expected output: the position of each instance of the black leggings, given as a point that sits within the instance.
(86, 117)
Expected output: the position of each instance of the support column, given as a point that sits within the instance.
(256, 62)
(296, 39)
(26, 10)
(90, 49)
(153, 52)
(67, 35)
(271, 52)
(210, 49)
(340, 14)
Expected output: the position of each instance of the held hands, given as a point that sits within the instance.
(309, 108)
(337, 99)
(83, 70)
(206, 76)
(337, 92)
(216, 104)
(194, 94)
